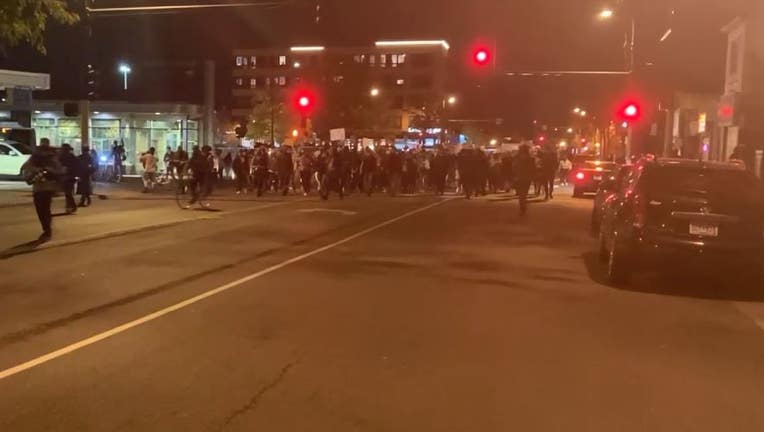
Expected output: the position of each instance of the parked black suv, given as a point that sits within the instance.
(678, 211)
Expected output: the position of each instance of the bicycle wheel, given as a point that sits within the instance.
(183, 194)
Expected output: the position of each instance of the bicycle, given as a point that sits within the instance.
(186, 196)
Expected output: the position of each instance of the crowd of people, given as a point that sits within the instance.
(50, 171)
(343, 170)
(326, 169)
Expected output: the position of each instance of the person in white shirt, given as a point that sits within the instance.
(149, 161)
(565, 167)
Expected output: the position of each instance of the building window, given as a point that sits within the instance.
(252, 82)
(253, 61)
(282, 60)
(372, 59)
(268, 81)
(282, 81)
(397, 59)
(400, 82)
(338, 79)
(359, 59)
(239, 60)
(382, 60)
(239, 82)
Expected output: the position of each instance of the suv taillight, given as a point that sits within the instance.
(640, 210)
(580, 176)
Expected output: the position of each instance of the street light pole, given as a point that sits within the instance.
(124, 69)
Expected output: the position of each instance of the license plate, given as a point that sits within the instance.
(597, 177)
(704, 230)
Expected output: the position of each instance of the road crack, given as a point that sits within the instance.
(251, 405)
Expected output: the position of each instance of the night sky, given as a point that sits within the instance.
(529, 34)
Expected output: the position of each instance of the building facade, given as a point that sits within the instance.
(408, 76)
(741, 108)
(137, 126)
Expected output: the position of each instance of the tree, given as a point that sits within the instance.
(26, 21)
(269, 110)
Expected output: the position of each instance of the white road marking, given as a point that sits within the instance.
(188, 302)
(754, 311)
(326, 210)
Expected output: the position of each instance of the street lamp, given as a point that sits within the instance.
(451, 100)
(606, 13)
(582, 113)
(124, 70)
(374, 92)
(576, 110)
(297, 65)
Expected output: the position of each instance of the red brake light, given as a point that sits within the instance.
(580, 176)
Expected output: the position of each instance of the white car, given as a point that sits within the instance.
(12, 156)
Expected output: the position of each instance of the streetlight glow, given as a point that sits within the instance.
(124, 69)
(374, 92)
(451, 100)
(576, 110)
(583, 113)
(606, 14)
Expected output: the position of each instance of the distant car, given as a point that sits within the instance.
(12, 156)
(684, 212)
(609, 186)
(586, 178)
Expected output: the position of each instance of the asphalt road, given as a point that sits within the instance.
(406, 314)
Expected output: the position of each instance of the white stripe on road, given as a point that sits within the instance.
(188, 302)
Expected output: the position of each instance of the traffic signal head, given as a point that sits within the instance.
(630, 112)
(481, 56)
(304, 101)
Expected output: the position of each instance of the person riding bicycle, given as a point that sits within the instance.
(201, 166)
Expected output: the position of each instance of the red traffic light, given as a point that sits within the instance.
(630, 112)
(304, 101)
(481, 56)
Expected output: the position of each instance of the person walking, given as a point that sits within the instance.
(550, 164)
(149, 161)
(88, 165)
(565, 167)
(305, 170)
(466, 161)
(42, 171)
(71, 170)
(394, 171)
(118, 157)
(524, 168)
(284, 168)
(439, 170)
(241, 171)
(368, 169)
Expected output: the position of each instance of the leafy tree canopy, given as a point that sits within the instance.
(25, 21)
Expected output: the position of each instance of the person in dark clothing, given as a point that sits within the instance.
(260, 171)
(68, 178)
(241, 171)
(285, 169)
(507, 175)
(465, 161)
(305, 167)
(439, 171)
(550, 164)
(119, 157)
(202, 167)
(88, 165)
(481, 171)
(368, 169)
(524, 168)
(394, 169)
(42, 171)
